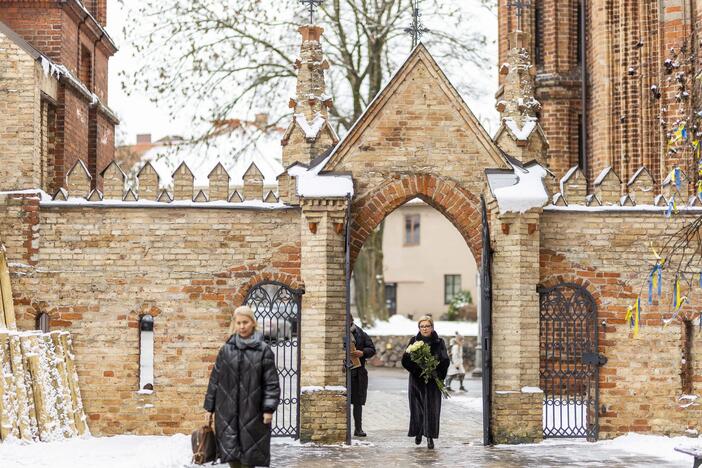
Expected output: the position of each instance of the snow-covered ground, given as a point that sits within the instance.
(398, 325)
(174, 452)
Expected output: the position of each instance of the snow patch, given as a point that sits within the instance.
(527, 191)
(532, 390)
(311, 184)
(523, 133)
(326, 388)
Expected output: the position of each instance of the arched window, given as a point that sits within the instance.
(43, 322)
(146, 353)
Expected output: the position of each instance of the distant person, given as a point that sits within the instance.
(425, 398)
(456, 369)
(243, 393)
(364, 349)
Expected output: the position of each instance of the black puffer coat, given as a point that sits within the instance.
(243, 386)
(425, 398)
(359, 376)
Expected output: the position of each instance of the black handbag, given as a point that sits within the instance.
(204, 444)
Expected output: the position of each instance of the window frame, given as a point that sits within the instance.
(412, 232)
(455, 287)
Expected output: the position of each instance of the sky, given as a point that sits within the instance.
(139, 115)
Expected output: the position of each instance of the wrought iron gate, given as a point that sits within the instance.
(277, 310)
(486, 325)
(569, 368)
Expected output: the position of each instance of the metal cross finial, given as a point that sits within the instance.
(416, 28)
(519, 5)
(311, 4)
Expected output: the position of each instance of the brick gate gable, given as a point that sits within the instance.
(417, 124)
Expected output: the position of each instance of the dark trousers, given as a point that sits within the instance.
(358, 417)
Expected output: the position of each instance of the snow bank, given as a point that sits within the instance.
(398, 325)
(654, 446)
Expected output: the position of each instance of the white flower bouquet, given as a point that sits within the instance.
(420, 353)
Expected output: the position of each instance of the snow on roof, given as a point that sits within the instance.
(523, 133)
(311, 129)
(236, 150)
(637, 174)
(311, 184)
(603, 174)
(567, 176)
(521, 190)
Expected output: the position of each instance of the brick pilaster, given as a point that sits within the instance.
(517, 400)
(323, 414)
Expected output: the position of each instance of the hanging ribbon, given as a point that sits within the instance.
(672, 207)
(633, 316)
(678, 177)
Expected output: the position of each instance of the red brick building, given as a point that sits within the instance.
(633, 100)
(69, 40)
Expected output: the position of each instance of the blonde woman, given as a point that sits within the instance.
(456, 370)
(425, 398)
(243, 393)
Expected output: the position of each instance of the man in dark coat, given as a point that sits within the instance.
(243, 387)
(425, 398)
(359, 376)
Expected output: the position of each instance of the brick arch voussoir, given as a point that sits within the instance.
(458, 205)
(287, 279)
(594, 289)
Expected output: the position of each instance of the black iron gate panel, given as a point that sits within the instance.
(569, 371)
(486, 324)
(277, 310)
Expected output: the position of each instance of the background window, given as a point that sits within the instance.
(412, 229)
(391, 298)
(452, 286)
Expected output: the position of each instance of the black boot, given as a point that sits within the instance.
(358, 421)
(430, 443)
(418, 439)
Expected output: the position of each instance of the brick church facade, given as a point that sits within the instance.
(632, 101)
(98, 255)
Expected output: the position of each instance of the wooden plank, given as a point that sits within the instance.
(27, 417)
(6, 289)
(10, 411)
(64, 388)
(72, 373)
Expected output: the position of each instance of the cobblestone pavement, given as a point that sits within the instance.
(386, 419)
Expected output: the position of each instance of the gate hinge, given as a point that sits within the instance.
(594, 359)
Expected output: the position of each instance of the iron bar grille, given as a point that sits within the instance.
(277, 310)
(568, 330)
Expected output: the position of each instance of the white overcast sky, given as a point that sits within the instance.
(139, 115)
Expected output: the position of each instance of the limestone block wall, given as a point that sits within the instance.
(20, 118)
(95, 270)
(609, 252)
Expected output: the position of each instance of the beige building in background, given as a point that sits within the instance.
(426, 261)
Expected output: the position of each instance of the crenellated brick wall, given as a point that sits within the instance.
(96, 270)
(609, 253)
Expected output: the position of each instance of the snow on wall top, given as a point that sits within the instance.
(526, 191)
(235, 150)
(311, 184)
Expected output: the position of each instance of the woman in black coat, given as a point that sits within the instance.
(425, 398)
(243, 393)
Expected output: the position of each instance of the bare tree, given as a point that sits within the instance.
(220, 58)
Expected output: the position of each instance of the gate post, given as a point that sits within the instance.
(517, 404)
(323, 416)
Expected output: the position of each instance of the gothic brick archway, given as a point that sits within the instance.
(457, 204)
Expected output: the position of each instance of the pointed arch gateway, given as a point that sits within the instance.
(416, 139)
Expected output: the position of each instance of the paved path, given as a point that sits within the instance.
(460, 445)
